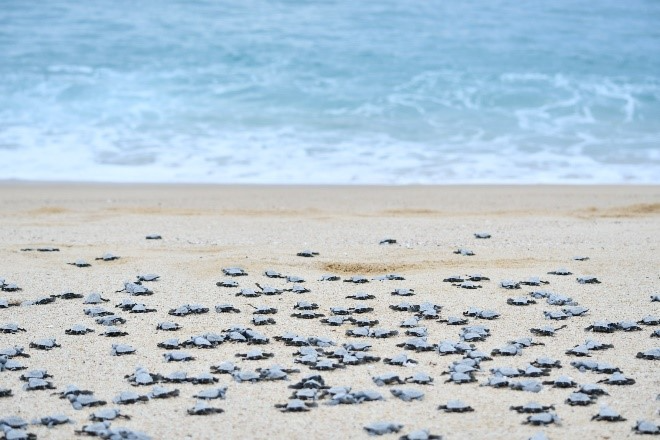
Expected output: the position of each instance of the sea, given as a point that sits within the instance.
(331, 92)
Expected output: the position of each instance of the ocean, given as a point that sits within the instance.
(331, 92)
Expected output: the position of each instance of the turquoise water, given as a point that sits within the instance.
(331, 92)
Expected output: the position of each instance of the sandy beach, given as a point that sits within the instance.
(534, 230)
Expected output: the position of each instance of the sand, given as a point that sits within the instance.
(206, 228)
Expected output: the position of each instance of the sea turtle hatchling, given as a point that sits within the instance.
(544, 418)
(121, 350)
(531, 408)
(579, 399)
(108, 257)
(211, 393)
(113, 332)
(646, 427)
(608, 414)
(561, 382)
(78, 329)
(129, 398)
(420, 434)
(407, 394)
(159, 392)
(457, 406)
(227, 283)
(381, 428)
(296, 405)
(464, 252)
(107, 414)
(80, 263)
(358, 279)
(307, 254)
(168, 326)
(38, 384)
(178, 356)
(561, 271)
(255, 355)
(387, 379)
(188, 309)
(588, 279)
(520, 301)
(618, 379)
(329, 277)
(273, 274)
(509, 284)
(653, 354)
(234, 272)
(95, 298)
(44, 344)
(148, 277)
(226, 308)
(54, 420)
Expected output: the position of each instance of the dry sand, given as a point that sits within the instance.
(205, 228)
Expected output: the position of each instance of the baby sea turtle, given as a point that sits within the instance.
(44, 344)
(78, 329)
(108, 257)
(129, 398)
(618, 379)
(608, 414)
(555, 299)
(39, 301)
(387, 379)
(387, 241)
(602, 327)
(168, 326)
(296, 405)
(532, 408)
(95, 312)
(54, 420)
(107, 414)
(544, 418)
(561, 271)
(227, 283)
(305, 305)
(15, 351)
(188, 309)
(588, 279)
(246, 376)
(481, 235)
(329, 278)
(158, 392)
(153, 237)
(263, 320)
(380, 428)
(121, 349)
(9, 287)
(652, 354)
(298, 288)
(178, 356)
(520, 301)
(646, 427)
(110, 320)
(234, 272)
(226, 308)
(407, 394)
(212, 393)
(656, 333)
(307, 253)
(357, 279)
(224, 368)
(530, 385)
(655, 297)
(143, 377)
(465, 252)
(147, 277)
(95, 298)
(421, 434)
(269, 290)
(561, 382)
(545, 330)
(579, 399)
(255, 355)
(113, 332)
(273, 274)
(533, 281)
(249, 293)
(136, 289)
(457, 406)
(509, 284)
(38, 384)
(80, 263)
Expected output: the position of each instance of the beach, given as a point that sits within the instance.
(205, 228)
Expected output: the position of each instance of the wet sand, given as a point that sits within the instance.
(206, 228)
